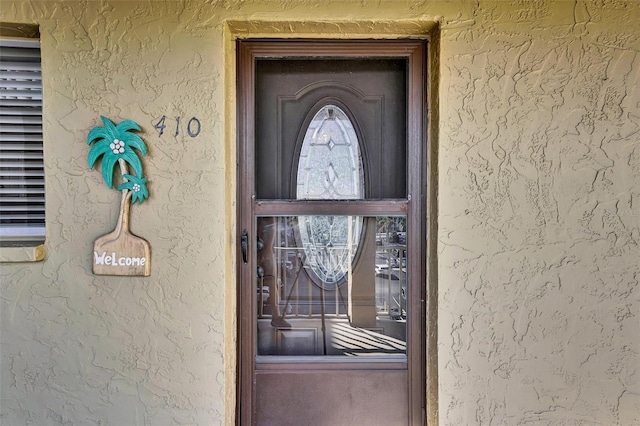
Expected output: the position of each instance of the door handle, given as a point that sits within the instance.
(244, 245)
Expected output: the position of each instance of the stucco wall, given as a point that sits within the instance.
(539, 210)
(540, 215)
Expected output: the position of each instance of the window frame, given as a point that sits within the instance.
(23, 174)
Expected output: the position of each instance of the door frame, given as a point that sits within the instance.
(415, 51)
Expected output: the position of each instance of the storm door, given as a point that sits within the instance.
(331, 233)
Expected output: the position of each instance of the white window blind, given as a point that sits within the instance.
(21, 149)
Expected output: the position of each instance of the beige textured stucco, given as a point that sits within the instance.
(538, 209)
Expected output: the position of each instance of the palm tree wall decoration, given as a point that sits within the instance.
(120, 252)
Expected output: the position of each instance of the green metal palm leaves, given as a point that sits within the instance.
(117, 143)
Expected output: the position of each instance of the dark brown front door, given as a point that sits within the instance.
(331, 235)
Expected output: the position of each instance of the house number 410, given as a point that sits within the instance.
(193, 126)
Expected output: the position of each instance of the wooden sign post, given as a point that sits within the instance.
(120, 252)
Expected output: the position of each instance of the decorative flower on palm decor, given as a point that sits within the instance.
(138, 188)
(117, 144)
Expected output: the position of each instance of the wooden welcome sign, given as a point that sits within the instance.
(120, 252)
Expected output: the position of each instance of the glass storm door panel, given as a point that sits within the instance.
(331, 286)
(341, 291)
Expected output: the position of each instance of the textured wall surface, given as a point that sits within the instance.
(539, 210)
(540, 215)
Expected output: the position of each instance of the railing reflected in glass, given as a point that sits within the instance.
(332, 285)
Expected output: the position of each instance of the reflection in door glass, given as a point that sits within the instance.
(363, 314)
(330, 244)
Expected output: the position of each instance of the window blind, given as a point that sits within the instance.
(22, 212)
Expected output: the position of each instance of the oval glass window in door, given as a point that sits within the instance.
(330, 168)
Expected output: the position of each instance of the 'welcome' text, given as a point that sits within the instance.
(114, 260)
